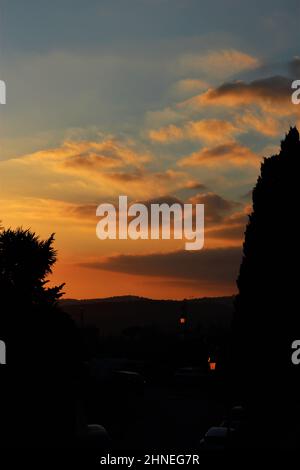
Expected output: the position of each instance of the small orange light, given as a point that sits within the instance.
(182, 321)
(212, 365)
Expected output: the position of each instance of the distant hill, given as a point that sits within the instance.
(113, 315)
(117, 298)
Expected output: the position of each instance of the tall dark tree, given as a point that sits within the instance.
(267, 313)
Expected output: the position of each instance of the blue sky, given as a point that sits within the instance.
(107, 63)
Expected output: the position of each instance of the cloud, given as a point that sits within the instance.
(213, 266)
(231, 228)
(271, 93)
(82, 170)
(108, 153)
(57, 215)
(230, 152)
(219, 212)
(263, 123)
(216, 207)
(169, 133)
(235, 107)
(218, 64)
(82, 156)
(207, 130)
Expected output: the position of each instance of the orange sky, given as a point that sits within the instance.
(178, 119)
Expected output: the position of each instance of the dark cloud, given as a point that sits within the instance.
(276, 88)
(218, 211)
(220, 150)
(169, 200)
(219, 265)
(215, 206)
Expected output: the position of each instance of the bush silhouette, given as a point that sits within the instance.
(266, 315)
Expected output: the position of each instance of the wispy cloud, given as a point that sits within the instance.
(219, 64)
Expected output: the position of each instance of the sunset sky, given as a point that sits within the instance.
(165, 100)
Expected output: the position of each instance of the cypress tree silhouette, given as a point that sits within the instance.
(266, 317)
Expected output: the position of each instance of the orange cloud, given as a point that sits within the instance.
(270, 94)
(230, 152)
(90, 155)
(86, 170)
(208, 130)
(262, 123)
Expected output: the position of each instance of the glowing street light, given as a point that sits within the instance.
(212, 365)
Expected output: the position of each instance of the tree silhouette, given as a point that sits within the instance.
(25, 262)
(43, 352)
(266, 317)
